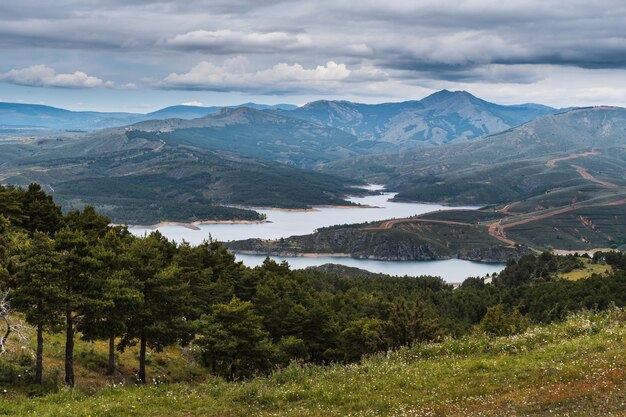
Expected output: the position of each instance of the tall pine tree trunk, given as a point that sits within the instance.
(39, 360)
(111, 365)
(142, 359)
(69, 350)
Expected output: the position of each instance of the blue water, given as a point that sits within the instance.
(289, 223)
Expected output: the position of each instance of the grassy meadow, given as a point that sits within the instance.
(573, 368)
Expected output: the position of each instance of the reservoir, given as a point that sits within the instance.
(284, 223)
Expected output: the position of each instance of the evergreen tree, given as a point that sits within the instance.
(362, 336)
(161, 317)
(497, 322)
(39, 291)
(115, 288)
(78, 272)
(39, 211)
(410, 324)
(233, 342)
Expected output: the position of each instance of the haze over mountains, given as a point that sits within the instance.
(439, 118)
(21, 116)
(434, 149)
(442, 117)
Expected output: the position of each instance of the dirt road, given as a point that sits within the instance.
(586, 175)
(552, 162)
(391, 223)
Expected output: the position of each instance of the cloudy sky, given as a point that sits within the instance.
(140, 55)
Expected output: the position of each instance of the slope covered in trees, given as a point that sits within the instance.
(137, 177)
(76, 275)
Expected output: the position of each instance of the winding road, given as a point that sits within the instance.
(497, 229)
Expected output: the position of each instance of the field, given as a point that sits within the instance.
(586, 271)
(574, 368)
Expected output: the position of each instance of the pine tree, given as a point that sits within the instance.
(78, 271)
(39, 291)
(161, 318)
(115, 288)
(233, 341)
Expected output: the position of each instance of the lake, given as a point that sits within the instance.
(282, 223)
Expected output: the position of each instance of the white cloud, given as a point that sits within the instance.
(233, 75)
(44, 76)
(229, 41)
(193, 103)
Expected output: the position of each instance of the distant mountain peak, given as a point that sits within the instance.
(445, 95)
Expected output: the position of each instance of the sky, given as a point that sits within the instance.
(141, 55)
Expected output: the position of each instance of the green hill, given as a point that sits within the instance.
(137, 177)
(574, 368)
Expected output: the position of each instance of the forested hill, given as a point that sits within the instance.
(140, 178)
(107, 289)
(257, 134)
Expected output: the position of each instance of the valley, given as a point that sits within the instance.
(537, 178)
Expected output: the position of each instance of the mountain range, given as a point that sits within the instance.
(170, 168)
(509, 165)
(18, 116)
(442, 117)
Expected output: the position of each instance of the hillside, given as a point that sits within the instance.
(564, 150)
(445, 116)
(574, 368)
(254, 133)
(412, 239)
(138, 178)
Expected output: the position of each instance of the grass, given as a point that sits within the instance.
(586, 271)
(173, 364)
(574, 368)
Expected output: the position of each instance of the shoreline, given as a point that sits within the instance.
(194, 225)
(307, 210)
(293, 255)
(589, 252)
(347, 255)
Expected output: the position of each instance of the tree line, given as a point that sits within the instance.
(77, 274)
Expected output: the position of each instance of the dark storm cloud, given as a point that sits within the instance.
(459, 41)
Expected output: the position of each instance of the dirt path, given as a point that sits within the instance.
(496, 230)
(586, 175)
(507, 209)
(391, 223)
(552, 162)
(582, 171)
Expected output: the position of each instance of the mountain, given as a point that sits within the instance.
(137, 177)
(46, 117)
(192, 112)
(33, 117)
(255, 133)
(445, 116)
(581, 147)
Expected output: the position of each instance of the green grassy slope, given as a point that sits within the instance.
(575, 368)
